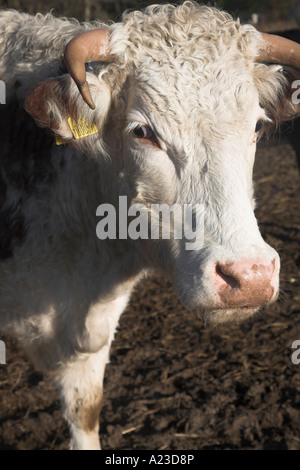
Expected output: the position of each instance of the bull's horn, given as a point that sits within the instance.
(279, 50)
(87, 47)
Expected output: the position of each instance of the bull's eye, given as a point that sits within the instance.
(143, 132)
(259, 125)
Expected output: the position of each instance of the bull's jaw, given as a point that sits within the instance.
(226, 315)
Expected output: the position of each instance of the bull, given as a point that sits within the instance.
(164, 107)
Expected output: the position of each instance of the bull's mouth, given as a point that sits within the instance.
(227, 315)
(236, 315)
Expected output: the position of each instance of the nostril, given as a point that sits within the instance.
(246, 283)
(223, 271)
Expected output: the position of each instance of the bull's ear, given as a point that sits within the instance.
(291, 99)
(279, 93)
(279, 50)
(48, 106)
(56, 104)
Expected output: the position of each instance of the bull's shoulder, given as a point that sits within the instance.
(26, 172)
(31, 50)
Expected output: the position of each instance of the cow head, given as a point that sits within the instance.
(187, 91)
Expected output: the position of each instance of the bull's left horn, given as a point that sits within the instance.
(279, 50)
(87, 47)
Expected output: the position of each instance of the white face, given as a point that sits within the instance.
(197, 146)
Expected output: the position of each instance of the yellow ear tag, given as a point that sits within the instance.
(81, 128)
(59, 140)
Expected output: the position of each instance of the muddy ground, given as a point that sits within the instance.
(171, 383)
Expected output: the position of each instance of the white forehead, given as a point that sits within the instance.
(218, 91)
(190, 62)
(208, 111)
(186, 33)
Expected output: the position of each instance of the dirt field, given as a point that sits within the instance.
(171, 384)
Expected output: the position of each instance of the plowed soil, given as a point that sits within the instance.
(173, 384)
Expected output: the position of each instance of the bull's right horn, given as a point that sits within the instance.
(279, 50)
(87, 47)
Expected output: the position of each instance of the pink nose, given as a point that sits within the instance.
(246, 283)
